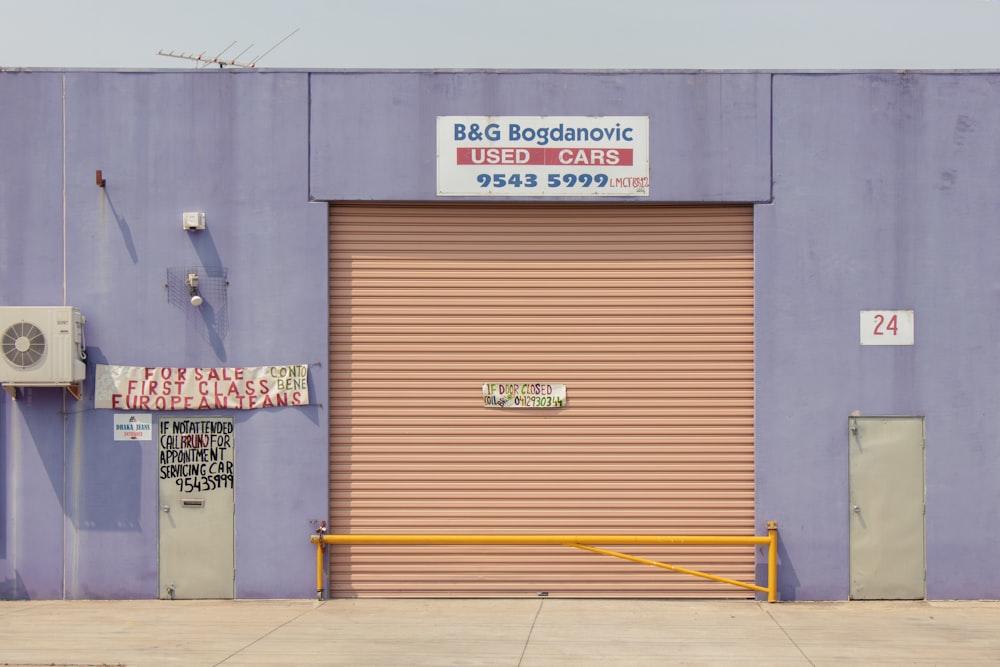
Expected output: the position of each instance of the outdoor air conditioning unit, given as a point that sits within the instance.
(42, 347)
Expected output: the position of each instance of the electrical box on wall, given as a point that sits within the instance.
(42, 347)
(193, 220)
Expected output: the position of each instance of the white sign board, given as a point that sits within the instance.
(543, 156)
(887, 327)
(133, 427)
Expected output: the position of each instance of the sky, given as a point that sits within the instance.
(505, 34)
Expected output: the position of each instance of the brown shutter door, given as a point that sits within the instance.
(645, 313)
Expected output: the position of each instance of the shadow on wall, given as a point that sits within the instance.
(211, 319)
(122, 224)
(105, 492)
(13, 588)
(103, 475)
(4, 484)
(788, 580)
(40, 409)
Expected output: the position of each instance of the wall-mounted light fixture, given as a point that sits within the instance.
(192, 282)
(193, 221)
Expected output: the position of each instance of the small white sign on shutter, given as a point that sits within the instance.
(524, 395)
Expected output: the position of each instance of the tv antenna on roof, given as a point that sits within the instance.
(202, 60)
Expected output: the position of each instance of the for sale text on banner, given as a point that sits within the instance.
(543, 156)
(167, 388)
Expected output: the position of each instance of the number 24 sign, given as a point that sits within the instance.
(887, 327)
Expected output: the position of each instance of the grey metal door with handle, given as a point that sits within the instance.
(196, 491)
(887, 552)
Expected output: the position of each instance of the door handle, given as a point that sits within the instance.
(166, 508)
(857, 509)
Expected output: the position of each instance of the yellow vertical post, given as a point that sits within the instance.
(772, 561)
(320, 548)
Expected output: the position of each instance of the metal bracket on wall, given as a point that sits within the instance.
(75, 389)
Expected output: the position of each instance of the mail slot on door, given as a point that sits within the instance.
(193, 502)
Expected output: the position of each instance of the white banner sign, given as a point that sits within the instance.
(143, 388)
(133, 427)
(524, 395)
(549, 156)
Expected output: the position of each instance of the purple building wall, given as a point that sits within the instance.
(871, 190)
(80, 509)
(373, 134)
(31, 449)
(884, 197)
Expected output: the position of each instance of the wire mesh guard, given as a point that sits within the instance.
(212, 316)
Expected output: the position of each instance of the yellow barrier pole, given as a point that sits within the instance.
(320, 549)
(673, 568)
(702, 540)
(772, 561)
(319, 570)
(771, 540)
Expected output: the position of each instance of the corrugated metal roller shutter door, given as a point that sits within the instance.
(644, 312)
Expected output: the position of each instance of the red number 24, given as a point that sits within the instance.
(891, 325)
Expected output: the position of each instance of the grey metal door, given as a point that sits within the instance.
(196, 463)
(887, 508)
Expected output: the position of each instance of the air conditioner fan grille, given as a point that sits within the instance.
(23, 344)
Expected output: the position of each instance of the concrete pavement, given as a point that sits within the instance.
(500, 632)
